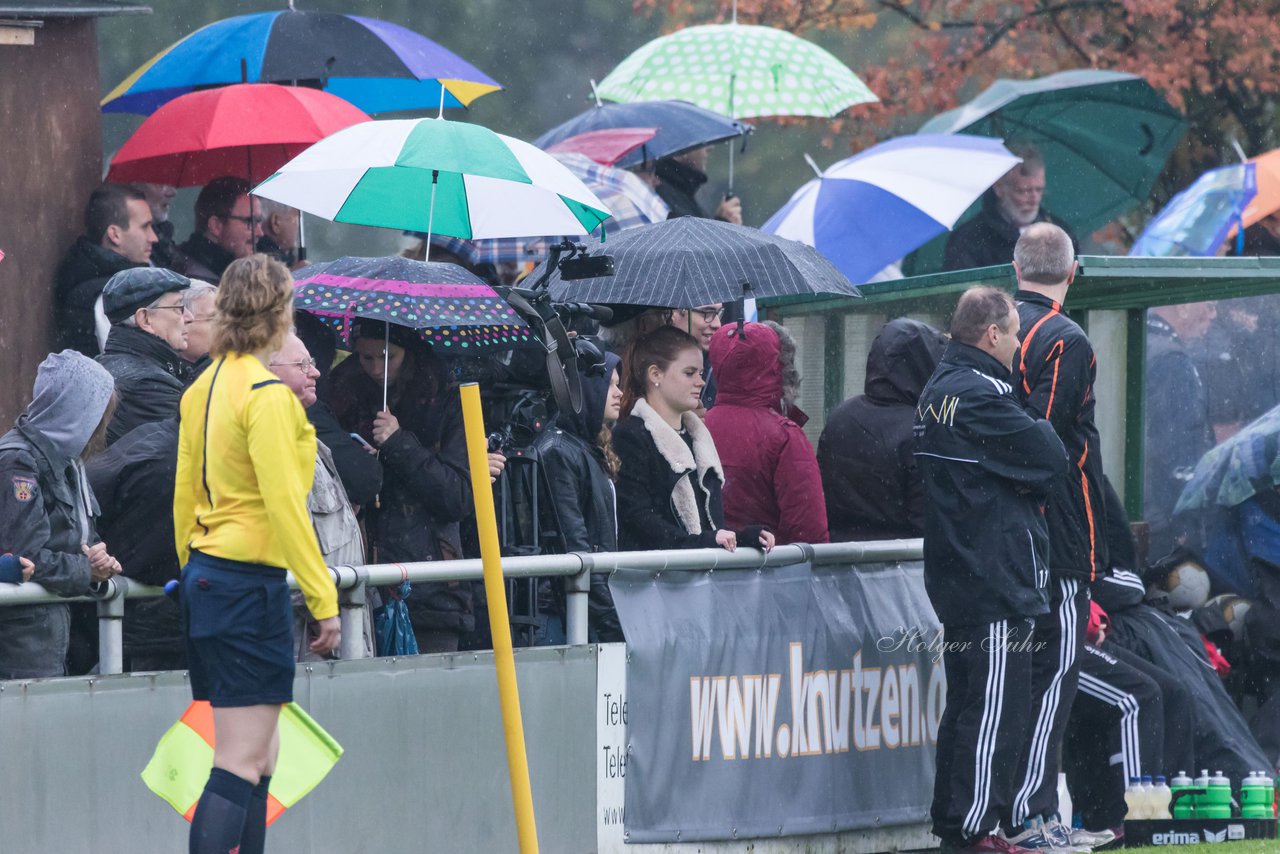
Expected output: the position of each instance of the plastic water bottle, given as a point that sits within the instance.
(1219, 798)
(1135, 800)
(1148, 797)
(1160, 799)
(1201, 802)
(1256, 795)
(1183, 807)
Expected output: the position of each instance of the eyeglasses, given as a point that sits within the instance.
(303, 365)
(204, 318)
(708, 314)
(178, 307)
(247, 220)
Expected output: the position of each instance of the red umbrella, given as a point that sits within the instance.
(248, 130)
(605, 146)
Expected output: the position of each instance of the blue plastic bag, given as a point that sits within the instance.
(391, 624)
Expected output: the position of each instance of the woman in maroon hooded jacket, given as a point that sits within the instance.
(771, 472)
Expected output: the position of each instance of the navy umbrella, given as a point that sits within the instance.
(680, 127)
(687, 261)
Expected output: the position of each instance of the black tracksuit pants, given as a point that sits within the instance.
(983, 728)
(1130, 718)
(1055, 670)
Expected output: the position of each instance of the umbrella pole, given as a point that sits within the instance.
(431, 215)
(386, 363)
(302, 237)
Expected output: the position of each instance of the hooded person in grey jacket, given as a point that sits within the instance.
(47, 508)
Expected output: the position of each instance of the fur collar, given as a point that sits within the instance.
(672, 447)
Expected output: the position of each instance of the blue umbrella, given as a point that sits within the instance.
(376, 65)
(680, 126)
(1196, 221)
(868, 211)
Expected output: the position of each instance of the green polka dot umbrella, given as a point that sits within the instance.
(739, 71)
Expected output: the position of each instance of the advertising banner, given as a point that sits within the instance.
(783, 701)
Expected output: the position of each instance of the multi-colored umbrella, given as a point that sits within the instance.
(453, 310)
(1104, 136)
(678, 127)
(630, 200)
(248, 130)
(376, 65)
(869, 210)
(1197, 220)
(739, 71)
(437, 177)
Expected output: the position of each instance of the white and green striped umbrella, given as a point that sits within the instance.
(739, 71)
(439, 177)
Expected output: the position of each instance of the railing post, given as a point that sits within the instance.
(577, 588)
(352, 617)
(111, 629)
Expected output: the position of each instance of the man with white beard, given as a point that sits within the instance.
(1008, 209)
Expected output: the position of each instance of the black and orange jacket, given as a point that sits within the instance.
(1053, 376)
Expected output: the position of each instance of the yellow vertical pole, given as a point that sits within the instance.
(503, 657)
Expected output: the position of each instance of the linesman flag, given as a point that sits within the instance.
(180, 767)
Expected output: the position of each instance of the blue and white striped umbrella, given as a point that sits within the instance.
(871, 209)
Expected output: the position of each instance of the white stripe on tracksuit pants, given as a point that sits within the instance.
(983, 729)
(1055, 670)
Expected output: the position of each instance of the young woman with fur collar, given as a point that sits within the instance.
(670, 477)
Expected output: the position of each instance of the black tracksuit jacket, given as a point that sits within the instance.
(1053, 376)
(987, 467)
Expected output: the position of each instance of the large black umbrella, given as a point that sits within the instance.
(680, 127)
(686, 262)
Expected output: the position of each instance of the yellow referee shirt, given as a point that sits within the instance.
(246, 459)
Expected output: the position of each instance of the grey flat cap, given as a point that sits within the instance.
(138, 287)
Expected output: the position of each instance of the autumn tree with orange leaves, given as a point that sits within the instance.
(1217, 60)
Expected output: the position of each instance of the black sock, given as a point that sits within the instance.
(253, 839)
(219, 818)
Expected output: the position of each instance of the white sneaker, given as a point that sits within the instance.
(1091, 838)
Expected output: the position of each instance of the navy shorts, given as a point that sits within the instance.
(239, 631)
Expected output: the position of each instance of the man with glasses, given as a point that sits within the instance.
(148, 331)
(198, 300)
(228, 225)
(1008, 209)
(702, 323)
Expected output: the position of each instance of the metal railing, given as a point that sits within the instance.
(576, 568)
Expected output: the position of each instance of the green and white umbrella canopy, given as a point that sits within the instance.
(439, 177)
(740, 71)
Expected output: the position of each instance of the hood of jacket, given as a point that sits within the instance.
(902, 359)
(746, 366)
(70, 397)
(131, 341)
(588, 423)
(88, 260)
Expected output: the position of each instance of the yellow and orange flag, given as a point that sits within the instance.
(180, 766)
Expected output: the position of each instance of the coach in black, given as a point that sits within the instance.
(987, 467)
(1053, 376)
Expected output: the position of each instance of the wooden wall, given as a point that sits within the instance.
(50, 160)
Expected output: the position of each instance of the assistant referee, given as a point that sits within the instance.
(246, 457)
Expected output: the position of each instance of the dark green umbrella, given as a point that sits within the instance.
(1105, 136)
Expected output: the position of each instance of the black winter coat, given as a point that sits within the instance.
(988, 238)
(81, 277)
(426, 490)
(578, 501)
(1053, 376)
(200, 258)
(668, 496)
(869, 474)
(150, 378)
(40, 518)
(987, 468)
(133, 482)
